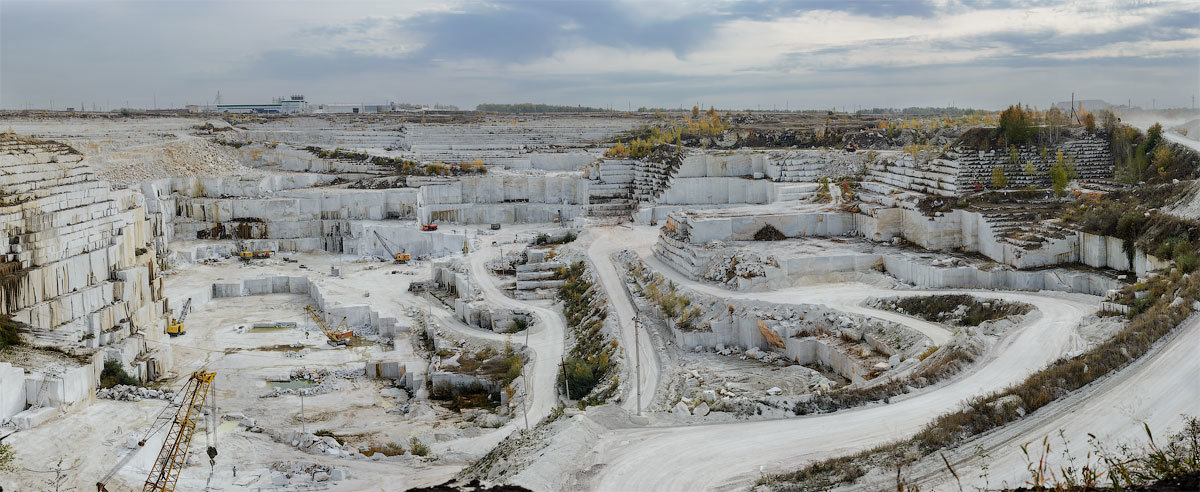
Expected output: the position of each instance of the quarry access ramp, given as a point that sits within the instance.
(606, 242)
(1114, 409)
(723, 456)
(546, 337)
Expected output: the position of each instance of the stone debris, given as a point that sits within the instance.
(298, 473)
(133, 393)
(323, 381)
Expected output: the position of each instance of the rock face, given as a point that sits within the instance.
(80, 263)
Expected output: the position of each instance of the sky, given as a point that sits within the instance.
(732, 54)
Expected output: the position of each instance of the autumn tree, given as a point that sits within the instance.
(1161, 159)
(1089, 123)
(1153, 137)
(999, 180)
(1015, 125)
(1058, 179)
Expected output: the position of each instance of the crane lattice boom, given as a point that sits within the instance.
(165, 473)
(336, 336)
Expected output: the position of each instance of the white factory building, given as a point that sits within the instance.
(281, 105)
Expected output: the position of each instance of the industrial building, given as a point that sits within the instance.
(294, 104)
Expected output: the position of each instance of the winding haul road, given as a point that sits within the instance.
(1156, 390)
(545, 337)
(733, 455)
(606, 242)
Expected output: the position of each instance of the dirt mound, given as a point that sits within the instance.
(472, 486)
(769, 233)
(188, 157)
(980, 138)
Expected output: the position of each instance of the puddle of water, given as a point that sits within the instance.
(292, 384)
(271, 327)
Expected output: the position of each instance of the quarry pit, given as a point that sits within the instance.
(388, 303)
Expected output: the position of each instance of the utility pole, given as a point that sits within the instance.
(525, 401)
(303, 427)
(566, 382)
(528, 389)
(637, 357)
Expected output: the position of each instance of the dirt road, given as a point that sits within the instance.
(605, 242)
(722, 456)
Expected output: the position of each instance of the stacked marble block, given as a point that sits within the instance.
(1093, 160)
(81, 264)
(468, 308)
(903, 172)
(299, 220)
(535, 279)
(610, 191)
(651, 179)
(509, 198)
(27, 400)
(809, 166)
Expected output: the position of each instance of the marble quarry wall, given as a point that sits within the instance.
(27, 400)
(962, 170)
(810, 165)
(682, 243)
(1092, 161)
(357, 316)
(81, 261)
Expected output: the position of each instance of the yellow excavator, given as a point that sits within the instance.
(246, 255)
(164, 475)
(175, 326)
(339, 336)
(401, 257)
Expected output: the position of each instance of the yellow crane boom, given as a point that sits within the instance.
(165, 473)
(337, 336)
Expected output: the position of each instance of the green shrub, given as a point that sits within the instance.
(418, 448)
(9, 333)
(589, 361)
(8, 456)
(113, 375)
(1187, 262)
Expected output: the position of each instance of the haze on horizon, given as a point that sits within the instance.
(623, 53)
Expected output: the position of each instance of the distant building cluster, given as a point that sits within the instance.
(296, 104)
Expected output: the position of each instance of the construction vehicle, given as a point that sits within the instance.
(175, 326)
(429, 227)
(337, 336)
(401, 257)
(247, 255)
(164, 475)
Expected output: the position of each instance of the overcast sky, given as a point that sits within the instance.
(731, 54)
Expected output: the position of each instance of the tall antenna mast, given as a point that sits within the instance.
(1073, 113)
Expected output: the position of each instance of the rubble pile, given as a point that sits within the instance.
(729, 266)
(284, 472)
(189, 157)
(324, 381)
(124, 392)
